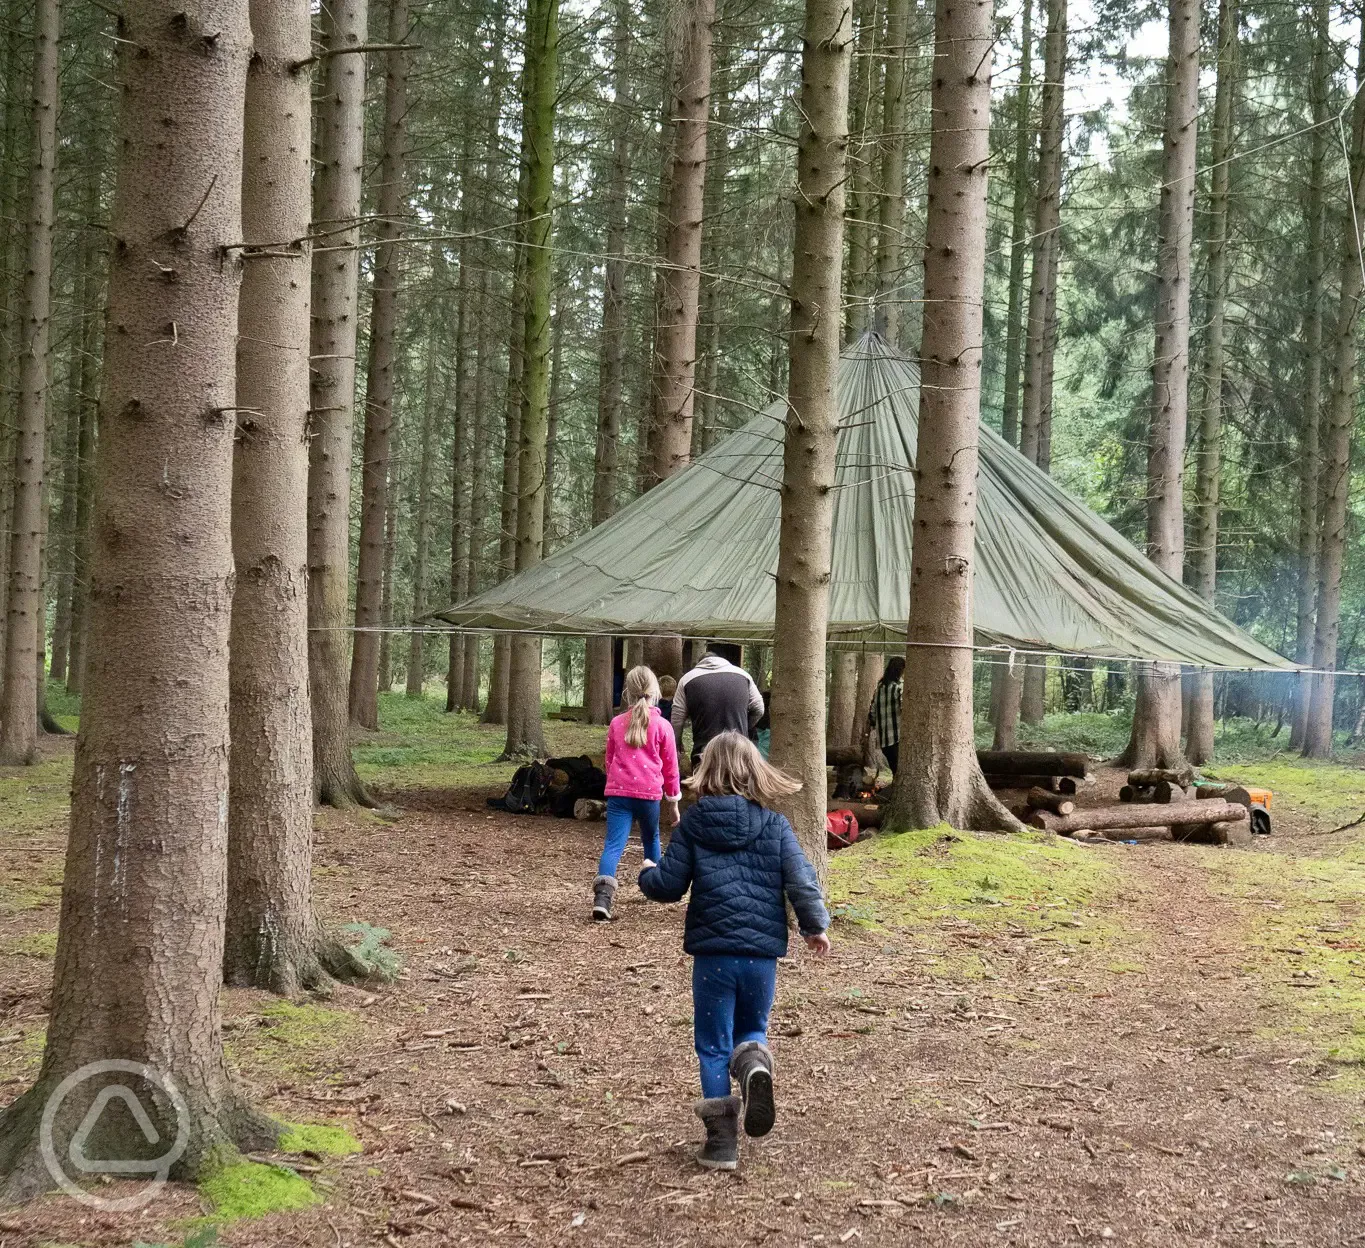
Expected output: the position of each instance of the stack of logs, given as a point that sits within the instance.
(1154, 805)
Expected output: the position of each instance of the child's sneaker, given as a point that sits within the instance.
(603, 892)
(720, 1114)
(751, 1066)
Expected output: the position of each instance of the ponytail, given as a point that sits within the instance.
(642, 693)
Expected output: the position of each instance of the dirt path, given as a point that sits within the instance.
(532, 1073)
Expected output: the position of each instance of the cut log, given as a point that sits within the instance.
(1032, 763)
(1183, 776)
(1164, 791)
(1135, 793)
(1070, 785)
(1227, 792)
(843, 757)
(589, 809)
(1150, 833)
(1042, 799)
(1006, 781)
(1215, 834)
(1136, 815)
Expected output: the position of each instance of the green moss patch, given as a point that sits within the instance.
(35, 945)
(247, 1189)
(918, 879)
(38, 797)
(292, 1038)
(319, 1140)
(1327, 792)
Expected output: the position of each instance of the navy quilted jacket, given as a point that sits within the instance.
(740, 860)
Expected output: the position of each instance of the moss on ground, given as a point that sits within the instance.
(1305, 941)
(36, 798)
(319, 1139)
(1329, 793)
(915, 880)
(34, 945)
(420, 746)
(248, 1189)
(292, 1038)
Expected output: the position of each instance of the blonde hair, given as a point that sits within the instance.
(732, 766)
(641, 692)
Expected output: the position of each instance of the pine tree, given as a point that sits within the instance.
(891, 183)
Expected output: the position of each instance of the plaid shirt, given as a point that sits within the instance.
(885, 713)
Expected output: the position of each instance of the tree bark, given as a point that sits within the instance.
(272, 935)
(939, 778)
(895, 144)
(1310, 418)
(870, 668)
(843, 696)
(525, 733)
(459, 538)
(339, 160)
(380, 381)
(801, 613)
(1019, 239)
(478, 499)
(394, 488)
(1336, 449)
(865, 95)
(597, 681)
(1204, 564)
(675, 350)
(417, 658)
(19, 696)
(140, 940)
(1155, 740)
(1034, 433)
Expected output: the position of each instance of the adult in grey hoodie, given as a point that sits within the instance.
(717, 696)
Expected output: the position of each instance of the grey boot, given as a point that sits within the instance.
(603, 892)
(751, 1066)
(720, 1114)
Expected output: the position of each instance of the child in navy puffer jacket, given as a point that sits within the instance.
(742, 863)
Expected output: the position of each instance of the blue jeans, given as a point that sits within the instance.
(731, 1000)
(621, 813)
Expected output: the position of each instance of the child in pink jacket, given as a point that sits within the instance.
(642, 771)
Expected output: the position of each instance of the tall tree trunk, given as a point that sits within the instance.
(1007, 677)
(380, 382)
(140, 940)
(1155, 740)
(272, 935)
(597, 680)
(1310, 418)
(843, 694)
(801, 613)
(1336, 449)
(939, 780)
(552, 430)
(16, 142)
(393, 488)
(19, 697)
(417, 659)
(478, 498)
(1204, 565)
(91, 320)
(865, 94)
(85, 289)
(459, 474)
(895, 145)
(339, 162)
(1034, 433)
(870, 668)
(525, 733)
(675, 350)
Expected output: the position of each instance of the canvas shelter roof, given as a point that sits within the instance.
(697, 555)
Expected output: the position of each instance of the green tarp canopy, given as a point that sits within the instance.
(697, 555)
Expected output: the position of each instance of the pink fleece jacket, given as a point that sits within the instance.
(648, 771)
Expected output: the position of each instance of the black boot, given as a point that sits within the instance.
(603, 893)
(721, 1116)
(751, 1066)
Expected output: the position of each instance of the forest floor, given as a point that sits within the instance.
(1016, 1040)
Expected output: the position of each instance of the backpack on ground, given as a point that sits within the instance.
(529, 792)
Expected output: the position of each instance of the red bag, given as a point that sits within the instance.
(841, 828)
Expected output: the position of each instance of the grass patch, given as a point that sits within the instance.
(1332, 793)
(35, 945)
(36, 798)
(419, 745)
(293, 1038)
(915, 880)
(319, 1139)
(247, 1189)
(1305, 942)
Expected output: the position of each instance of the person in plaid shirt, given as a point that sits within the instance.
(885, 712)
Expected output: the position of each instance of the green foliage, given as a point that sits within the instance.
(319, 1139)
(203, 1237)
(64, 707)
(35, 945)
(248, 1189)
(370, 953)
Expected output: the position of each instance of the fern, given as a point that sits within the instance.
(371, 954)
